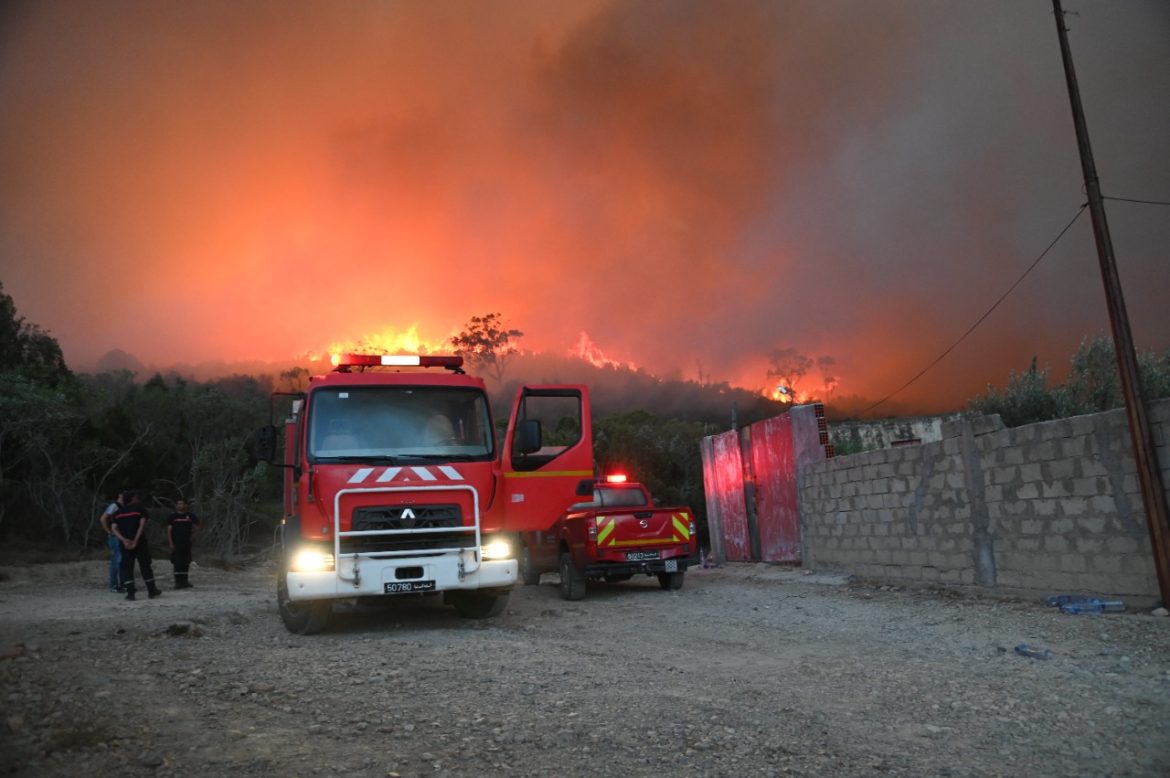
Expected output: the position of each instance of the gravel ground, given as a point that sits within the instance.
(748, 670)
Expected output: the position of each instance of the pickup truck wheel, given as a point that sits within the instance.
(300, 618)
(670, 581)
(528, 575)
(572, 581)
(478, 605)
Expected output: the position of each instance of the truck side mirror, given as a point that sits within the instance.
(266, 443)
(528, 436)
(585, 487)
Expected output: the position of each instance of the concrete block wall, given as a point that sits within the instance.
(1050, 507)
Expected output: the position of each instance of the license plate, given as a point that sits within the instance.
(642, 556)
(405, 587)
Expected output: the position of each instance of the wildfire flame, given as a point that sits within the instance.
(585, 349)
(790, 396)
(388, 341)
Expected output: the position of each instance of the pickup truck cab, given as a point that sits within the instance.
(617, 534)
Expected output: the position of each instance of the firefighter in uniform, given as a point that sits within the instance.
(129, 525)
(181, 528)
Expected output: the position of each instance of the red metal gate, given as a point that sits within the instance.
(727, 512)
(774, 466)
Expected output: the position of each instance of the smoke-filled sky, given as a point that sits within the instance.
(692, 184)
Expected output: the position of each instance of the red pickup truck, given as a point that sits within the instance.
(617, 534)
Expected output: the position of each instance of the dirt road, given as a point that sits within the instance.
(748, 670)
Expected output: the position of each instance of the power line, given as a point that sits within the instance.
(987, 313)
(1133, 200)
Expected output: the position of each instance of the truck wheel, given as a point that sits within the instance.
(478, 605)
(528, 575)
(671, 581)
(300, 618)
(572, 581)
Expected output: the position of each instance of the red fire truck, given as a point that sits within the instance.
(395, 484)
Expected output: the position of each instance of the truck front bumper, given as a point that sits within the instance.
(653, 567)
(366, 576)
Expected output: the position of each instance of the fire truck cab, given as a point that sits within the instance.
(396, 483)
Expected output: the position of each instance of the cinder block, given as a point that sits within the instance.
(1031, 527)
(1056, 543)
(1092, 468)
(1073, 447)
(1073, 507)
(1029, 491)
(1004, 475)
(1092, 524)
(1128, 545)
(1009, 579)
(1030, 471)
(1089, 545)
(1089, 487)
(1073, 563)
(1044, 451)
(1056, 489)
(1107, 564)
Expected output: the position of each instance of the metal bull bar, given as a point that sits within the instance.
(465, 565)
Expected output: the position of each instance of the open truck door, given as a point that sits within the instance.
(548, 451)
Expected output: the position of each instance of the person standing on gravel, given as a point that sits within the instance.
(113, 543)
(130, 526)
(181, 528)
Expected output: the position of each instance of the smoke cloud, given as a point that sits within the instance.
(692, 184)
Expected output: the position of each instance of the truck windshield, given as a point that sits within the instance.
(380, 422)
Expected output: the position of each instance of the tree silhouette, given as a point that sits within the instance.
(788, 367)
(486, 344)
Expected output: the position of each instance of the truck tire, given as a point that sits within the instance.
(572, 580)
(528, 575)
(300, 618)
(478, 605)
(671, 581)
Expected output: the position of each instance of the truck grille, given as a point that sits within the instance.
(395, 518)
(406, 517)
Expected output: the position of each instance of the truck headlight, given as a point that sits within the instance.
(496, 548)
(310, 560)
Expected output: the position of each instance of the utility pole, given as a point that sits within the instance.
(1149, 474)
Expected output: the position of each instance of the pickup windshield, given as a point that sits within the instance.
(393, 423)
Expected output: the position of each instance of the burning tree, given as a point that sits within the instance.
(487, 343)
(788, 367)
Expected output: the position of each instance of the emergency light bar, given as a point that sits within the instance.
(616, 478)
(395, 360)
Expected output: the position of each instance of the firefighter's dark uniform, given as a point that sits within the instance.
(128, 520)
(182, 528)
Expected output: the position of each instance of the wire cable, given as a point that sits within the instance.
(1133, 200)
(987, 313)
